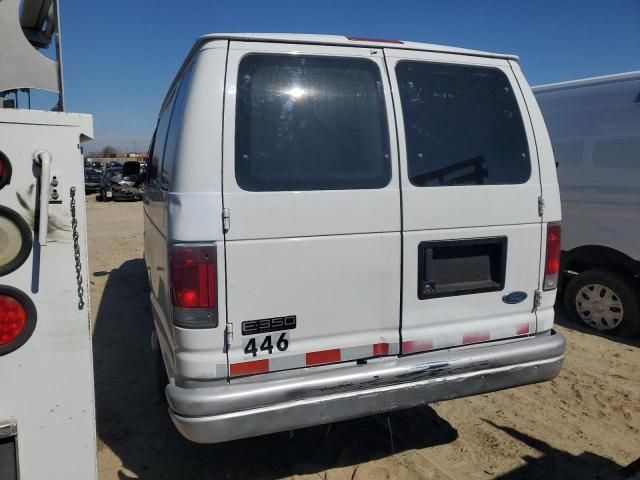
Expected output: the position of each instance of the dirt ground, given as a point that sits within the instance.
(583, 425)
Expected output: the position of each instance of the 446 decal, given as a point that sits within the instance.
(266, 344)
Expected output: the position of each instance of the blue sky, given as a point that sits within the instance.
(120, 56)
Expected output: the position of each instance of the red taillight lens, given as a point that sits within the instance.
(5, 170)
(193, 276)
(193, 270)
(552, 259)
(13, 319)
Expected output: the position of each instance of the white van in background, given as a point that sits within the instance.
(338, 226)
(594, 125)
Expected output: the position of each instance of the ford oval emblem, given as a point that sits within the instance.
(514, 297)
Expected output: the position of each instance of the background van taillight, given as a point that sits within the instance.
(193, 277)
(17, 319)
(552, 258)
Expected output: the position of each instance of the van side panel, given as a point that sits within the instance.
(550, 190)
(189, 209)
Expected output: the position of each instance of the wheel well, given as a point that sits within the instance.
(589, 256)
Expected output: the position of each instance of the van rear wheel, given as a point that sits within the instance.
(605, 301)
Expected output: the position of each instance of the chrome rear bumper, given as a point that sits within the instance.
(301, 398)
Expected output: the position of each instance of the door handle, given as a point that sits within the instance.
(42, 158)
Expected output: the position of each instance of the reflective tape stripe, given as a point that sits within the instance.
(286, 362)
(356, 353)
(221, 370)
(380, 349)
(475, 337)
(323, 356)
(412, 346)
(249, 368)
(522, 329)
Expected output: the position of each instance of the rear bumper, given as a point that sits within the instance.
(302, 398)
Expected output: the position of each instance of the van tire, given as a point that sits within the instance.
(621, 288)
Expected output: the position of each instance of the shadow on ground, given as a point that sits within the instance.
(558, 464)
(562, 319)
(133, 421)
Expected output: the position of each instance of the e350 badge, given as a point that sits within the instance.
(263, 329)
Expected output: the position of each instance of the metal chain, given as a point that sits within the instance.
(76, 249)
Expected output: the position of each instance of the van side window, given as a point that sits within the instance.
(462, 125)
(159, 140)
(310, 123)
(171, 145)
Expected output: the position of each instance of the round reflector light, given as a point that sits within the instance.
(15, 240)
(17, 319)
(5, 170)
(13, 319)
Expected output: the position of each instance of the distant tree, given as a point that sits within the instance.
(109, 152)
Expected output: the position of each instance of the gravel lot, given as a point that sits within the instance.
(583, 425)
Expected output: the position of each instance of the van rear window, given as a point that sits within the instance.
(310, 123)
(462, 125)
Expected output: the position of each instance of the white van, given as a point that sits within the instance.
(337, 226)
(594, 124)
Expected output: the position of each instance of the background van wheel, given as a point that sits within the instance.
(605, 301)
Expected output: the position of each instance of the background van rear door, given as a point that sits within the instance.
(470, 188)
(311, 187)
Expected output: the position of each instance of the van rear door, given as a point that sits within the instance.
(470, 189)
(311, 190)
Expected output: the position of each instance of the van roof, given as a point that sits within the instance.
(350, 41)
(342, 40)
(587, 82)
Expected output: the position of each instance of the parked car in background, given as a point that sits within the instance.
(97, 165)
(347, 226)
(594, 125)
(123, 182)
(113, 164)
(92, 179)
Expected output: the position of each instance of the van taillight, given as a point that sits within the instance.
(193, 275)
(552, 259)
